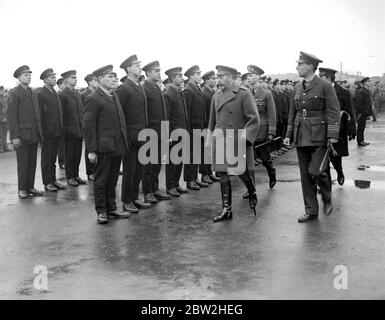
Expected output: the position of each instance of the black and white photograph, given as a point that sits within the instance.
(181, 151)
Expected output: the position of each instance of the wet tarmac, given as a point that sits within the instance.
(175, 251)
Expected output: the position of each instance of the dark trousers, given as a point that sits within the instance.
(49, 153)
(173, 172)
(132, 174)
(3, 136)
(315, 170)
(106, 177)
(337, 162)
(61, 153)
(361, 124)
(26, 156)
(90, 167)
(284, 128)
(73, 154)
(263, 152)
(246, 177)
(151, 171)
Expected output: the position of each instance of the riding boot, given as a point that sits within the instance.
(226, 212)
(248, 181)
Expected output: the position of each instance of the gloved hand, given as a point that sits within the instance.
(286, 142)
(93, 157)
(270, 137)
(16, 142)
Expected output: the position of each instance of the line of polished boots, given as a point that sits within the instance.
(226, 212)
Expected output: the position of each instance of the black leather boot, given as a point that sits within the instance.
(271, 172)
(226, 212)
(249, 183)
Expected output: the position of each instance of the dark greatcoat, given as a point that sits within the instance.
(234, 109)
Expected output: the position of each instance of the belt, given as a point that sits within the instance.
(310, 113)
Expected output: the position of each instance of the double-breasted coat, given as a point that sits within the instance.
(233, 109)
(51, 113)
(105, 125)
(23, 116)
(72, 106)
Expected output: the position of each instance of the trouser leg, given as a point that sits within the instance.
(69, 156)
(22, 158)
(77, 155)
(361, 124)
(112, 182)
(309, 186)
(32, 160)
(102, 172)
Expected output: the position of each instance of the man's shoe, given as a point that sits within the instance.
(363, 144)
(181, 189)
(23, 194)
(141, 204)
(80, 181)
(102, 218)
(50, 188)
(340, 178)
(206, 179)
(72, 182)
(118, 215)
(61, 165)
(91, 177)
(173, 193)
(192, 185)
(59, 185)
(308, 217)
(201, 184)
(160, 195)
(246, 195)
(35, 193)
(328, 208)
(150, 198)
(130, 207)
(225, 214)
(214, 178)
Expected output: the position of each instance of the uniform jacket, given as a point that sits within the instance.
(104, 124)
(234, 109)
(72, 107)
(23, 116)
(363, 102)
(267, 113)
(51, 113)
(278, 101)
(177, 110)
(314, 114)
(133, 100)
(207, 97)
(156, 106)
(195, 106)
(287, 94)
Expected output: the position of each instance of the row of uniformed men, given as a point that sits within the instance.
(112, 121)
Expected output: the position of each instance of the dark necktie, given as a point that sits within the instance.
(304, 84)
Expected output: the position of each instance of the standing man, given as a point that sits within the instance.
(52, 125)
(106, 140)
(314, 119)
(133, 100)
(197, 117)
(364, 110)
(24, 122)
(157, 112)
(209, 85)
(233, 108)
(92, 83)
(73, 128)
(267, 115)
(347, 122)
(3, 121)
(178, 117)
(61, 154)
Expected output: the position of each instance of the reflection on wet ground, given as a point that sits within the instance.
(366, 184)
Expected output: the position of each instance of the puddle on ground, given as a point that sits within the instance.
(371, 168)
(366, 184)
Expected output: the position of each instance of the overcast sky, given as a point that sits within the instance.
(85, 35)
